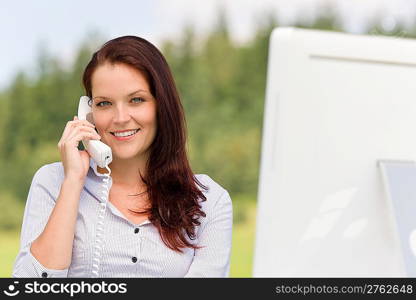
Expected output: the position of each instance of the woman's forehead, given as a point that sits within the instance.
(118, 79)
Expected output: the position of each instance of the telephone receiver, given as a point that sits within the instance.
(100, 152)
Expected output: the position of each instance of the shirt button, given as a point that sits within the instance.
(134, 259)
(44, 274)
(136, 230)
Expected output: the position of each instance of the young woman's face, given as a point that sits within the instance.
(123, 109)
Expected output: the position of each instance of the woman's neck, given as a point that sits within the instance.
(126, 172)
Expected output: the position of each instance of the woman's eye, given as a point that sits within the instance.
(102, 103)
(137, 99)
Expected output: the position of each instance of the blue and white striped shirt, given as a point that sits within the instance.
(129, 250)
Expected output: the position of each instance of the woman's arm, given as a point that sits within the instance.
(213, 260)
(49, 220)
(48, 226)
(53, 247)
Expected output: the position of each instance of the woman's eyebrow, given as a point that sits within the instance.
(135, 92)
(102, 97)
(129, 95)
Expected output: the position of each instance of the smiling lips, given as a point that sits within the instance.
(125, 135)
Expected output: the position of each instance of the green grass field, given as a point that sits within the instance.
(241, 255)
(243, 242)
(9, 242)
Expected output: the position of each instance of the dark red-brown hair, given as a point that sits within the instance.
(172, 187)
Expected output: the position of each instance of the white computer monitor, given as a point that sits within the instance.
(335, 105)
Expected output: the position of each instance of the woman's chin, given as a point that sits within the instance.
(127, 156)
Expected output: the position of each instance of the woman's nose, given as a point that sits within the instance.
(121, 114)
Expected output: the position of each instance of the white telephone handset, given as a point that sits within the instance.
(100, 152)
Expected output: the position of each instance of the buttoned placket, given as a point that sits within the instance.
(138, 238)
(138, 229)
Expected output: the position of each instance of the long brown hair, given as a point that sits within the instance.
(172, 187)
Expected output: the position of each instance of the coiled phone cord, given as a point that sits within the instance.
(99, 233)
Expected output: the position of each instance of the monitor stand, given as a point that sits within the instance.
(399, 180)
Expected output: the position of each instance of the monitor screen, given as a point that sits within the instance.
(336, 104)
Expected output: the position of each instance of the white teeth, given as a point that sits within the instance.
(125, 133)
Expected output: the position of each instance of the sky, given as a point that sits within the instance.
(61, 26)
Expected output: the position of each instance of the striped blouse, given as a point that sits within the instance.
(124, 249)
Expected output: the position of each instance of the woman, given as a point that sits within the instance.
(161, 219)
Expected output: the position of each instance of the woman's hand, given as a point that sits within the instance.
(76, 162)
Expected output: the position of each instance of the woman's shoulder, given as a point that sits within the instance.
(215, 193)
(49, 176)
(53, 170)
